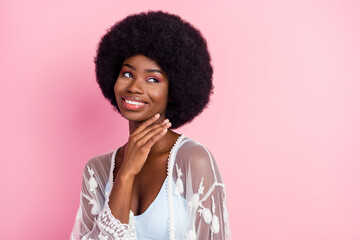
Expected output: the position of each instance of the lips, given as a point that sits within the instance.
(132, 103)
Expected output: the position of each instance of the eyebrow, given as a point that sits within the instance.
(146, 70)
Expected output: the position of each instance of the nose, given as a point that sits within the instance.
(136, 86)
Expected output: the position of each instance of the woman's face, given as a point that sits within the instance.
(141, 89)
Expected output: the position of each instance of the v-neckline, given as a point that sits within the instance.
(152, 204)
(111, 174)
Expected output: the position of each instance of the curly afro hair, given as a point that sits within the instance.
(175, 45)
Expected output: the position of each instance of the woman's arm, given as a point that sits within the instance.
(135, 154)
(205, 194)
(92, 222)
(115, 219)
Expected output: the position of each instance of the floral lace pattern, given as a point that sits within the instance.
(195, 205)
(179, 186)
(196, 179)
(109, 224)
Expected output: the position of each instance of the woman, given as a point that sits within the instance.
(155, 70)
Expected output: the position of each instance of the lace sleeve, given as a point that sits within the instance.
(204, 192)
(94, 219)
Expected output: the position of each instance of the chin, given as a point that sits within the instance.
(135, 116)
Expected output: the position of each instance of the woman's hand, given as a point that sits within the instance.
(139, 144)
(135, 154)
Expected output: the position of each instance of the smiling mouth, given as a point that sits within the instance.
(129, 104)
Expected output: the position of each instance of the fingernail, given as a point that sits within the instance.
(157, 115)
(166, 120)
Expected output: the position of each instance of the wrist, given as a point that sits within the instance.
(125, 177)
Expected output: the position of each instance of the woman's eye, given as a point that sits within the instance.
(153, 80)
(127, 74)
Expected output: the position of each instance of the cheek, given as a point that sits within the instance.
(161, 94)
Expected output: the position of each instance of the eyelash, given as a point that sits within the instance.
(123, 73)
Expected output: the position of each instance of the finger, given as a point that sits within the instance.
(147, 123)
(153, 133)
(141, 134)
(156, 137)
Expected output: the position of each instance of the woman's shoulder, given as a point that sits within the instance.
(190, 145)
(196, 160)
(193, 152)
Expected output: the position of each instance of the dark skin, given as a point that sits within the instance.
(141, 164)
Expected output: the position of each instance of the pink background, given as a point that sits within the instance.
(283, 123)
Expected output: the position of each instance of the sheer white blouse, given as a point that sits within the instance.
(194, 203)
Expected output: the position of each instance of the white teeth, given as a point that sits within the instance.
(134, 103)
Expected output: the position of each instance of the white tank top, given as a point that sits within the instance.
(153, 223)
